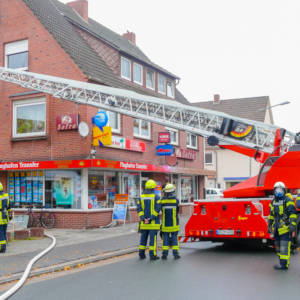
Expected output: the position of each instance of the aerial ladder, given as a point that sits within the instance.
(242, 213)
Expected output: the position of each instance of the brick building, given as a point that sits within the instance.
(41, 161)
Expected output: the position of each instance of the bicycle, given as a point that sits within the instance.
(44, 219)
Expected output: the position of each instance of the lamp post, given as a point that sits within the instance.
(282, 103)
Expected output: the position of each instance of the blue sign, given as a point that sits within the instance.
(101, 119)
(164, 150)
(119, 212)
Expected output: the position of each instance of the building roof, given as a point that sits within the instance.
(254, 108)
(59, 19)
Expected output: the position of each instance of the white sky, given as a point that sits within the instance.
(235, 48)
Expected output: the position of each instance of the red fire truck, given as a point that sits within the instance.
(242, 213)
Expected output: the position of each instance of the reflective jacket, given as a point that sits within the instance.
(148, 207)
(283, 214)
(4, 209)
(170, 211)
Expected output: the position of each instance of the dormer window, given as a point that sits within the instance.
(150, 79)
(170, 89)
(125, 68)
(161, 84)
(137, 73)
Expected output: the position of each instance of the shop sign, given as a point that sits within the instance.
(164, 150)
(127, 144)
(120, 207)
(164, 137)
(186, 153)
(100, 119)
(101, 137)
(67, 122)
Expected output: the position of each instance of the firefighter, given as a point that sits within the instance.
(170, 221)
(4, 218)
(148, 208)
(282, 222)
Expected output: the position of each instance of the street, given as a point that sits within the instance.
(206, 271)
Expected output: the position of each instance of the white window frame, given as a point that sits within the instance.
(173, 88)
(15, 48)
(118, 130)
(210, 163)
(176, 143)
(189, 141)
(165, 84)
(139, 65)
(127, 60)
(28, 102)
(139, 135)
(147, 86)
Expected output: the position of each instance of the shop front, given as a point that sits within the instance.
(82, 192)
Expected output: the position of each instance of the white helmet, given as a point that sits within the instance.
(279, 184)
(169, 188)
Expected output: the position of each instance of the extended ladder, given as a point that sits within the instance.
(169, 113)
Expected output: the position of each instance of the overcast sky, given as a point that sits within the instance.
(235, 48)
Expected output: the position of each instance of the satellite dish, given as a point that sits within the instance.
(83, 129)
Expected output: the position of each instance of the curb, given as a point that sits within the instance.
(69, 265)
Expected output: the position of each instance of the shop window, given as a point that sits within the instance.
(114, 121)
(173, 136)
(29, 117)
(125, 68)
(170, 89)
(137, 73)
(188, 188)
(208, 158)
(131, 183)
(102, 187)
(161, 84)
(16, 55)
(150, 79)
(142, 129)
(191, 141)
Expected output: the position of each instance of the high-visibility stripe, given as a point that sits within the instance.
(165, 247)
(142, 247)
(167, 201)
(293, 216)
(174, 217)
(290, 203)
(141, 213)
(270, 217)
(3, 242)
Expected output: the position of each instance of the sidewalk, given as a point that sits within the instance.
(71, 245)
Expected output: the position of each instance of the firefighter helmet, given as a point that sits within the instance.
(279, 184)
(150, 184)
(1, 187)
(279, 189)
(169, 188)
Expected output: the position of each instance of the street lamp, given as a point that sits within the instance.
(282, 103)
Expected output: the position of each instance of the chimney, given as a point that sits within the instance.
(130, 36)
(217, 99)
(81, 7)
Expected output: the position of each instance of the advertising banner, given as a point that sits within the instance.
(164, 150)
(17, 188)
(63, 190)
(28, 187)
(164, 137)
(23, 188)
(67, 122)
(11, 187)
(41, 186)
(101, 137)
(35, 187)
(120, 207)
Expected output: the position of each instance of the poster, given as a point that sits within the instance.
(17, 188)
(35, 187)
(63, 190)
(40, 180)
(28, 187)
(11, 187)
(120, 207)
(22, 187)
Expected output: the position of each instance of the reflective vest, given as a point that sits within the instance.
(4, 209)
(283, 214)
(148, 207)
(170, 219)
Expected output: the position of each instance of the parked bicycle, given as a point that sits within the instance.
(40, 218)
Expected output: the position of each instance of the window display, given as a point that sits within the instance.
(132, 187)
(188, 188)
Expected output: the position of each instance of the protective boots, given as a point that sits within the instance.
(280, 267)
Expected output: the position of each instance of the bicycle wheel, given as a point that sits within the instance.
(48, 220)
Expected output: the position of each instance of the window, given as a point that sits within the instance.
(191, 141)
(125, 68)
(141, 128)
(208, 158)
(170, 89)
(114, 121)
(16, 55)
(137, 73)
(161, 84)
(150, 79)
(173, 136)
(29, 117)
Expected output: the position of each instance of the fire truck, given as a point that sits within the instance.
(242, 213)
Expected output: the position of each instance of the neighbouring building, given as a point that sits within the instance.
(231, 167)
(44, 160)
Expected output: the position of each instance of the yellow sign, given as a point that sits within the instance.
(101, 138)
(240, 218)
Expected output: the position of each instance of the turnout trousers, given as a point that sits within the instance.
(170, 239)
(283, 248)
(2, 239)
(152, 234)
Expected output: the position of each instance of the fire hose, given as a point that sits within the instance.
(26, 273)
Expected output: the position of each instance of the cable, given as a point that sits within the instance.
(25, 275)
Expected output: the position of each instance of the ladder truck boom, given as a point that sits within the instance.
(224, 128)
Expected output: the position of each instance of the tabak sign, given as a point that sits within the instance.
(67, 122)
(186, 153)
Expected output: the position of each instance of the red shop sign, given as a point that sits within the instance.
(134, 145)
(164, 137)
(186, 154)
(67, 122)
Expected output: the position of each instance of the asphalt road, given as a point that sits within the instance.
(206, 271)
